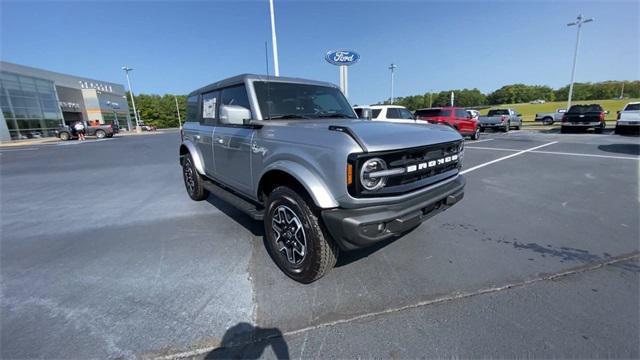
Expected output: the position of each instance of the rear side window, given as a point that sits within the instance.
(393, 113)
(192, 108)
(632, 107)
(405, 114)
(461, 113)
(375, 113)
(210, 107)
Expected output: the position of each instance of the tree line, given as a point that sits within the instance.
(160, 110)
(521, 93)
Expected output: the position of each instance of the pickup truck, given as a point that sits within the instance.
(503, 119)
(550, 117)
(456, 117)
(583, 117)
(292, 153)
(99, 131)
(629, 119)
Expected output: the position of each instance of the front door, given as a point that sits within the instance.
(232, 145)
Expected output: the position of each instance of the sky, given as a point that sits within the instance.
(178, 46)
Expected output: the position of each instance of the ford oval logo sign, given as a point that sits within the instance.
(342, 57)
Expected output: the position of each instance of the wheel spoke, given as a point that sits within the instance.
(289, 234)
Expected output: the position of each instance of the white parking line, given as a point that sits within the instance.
(637, 158)
(507, 157)
(21, 149)
(479, 141)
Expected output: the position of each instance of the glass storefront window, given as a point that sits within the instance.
(29, 106)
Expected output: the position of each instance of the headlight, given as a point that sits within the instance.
(370, 166)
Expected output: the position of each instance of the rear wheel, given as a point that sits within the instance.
(547, 121)
(64, 136)
(296, 238)
(100, 134)
(476, 134)
(599, 130)
(507, 127)
(192, 180)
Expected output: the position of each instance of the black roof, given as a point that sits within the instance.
(240, 79)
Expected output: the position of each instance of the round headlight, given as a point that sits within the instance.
(370, 166)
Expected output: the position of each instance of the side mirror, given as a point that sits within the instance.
(234, 114)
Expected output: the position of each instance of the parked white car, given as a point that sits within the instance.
(475, 114)
(629, 118)
(392, 113)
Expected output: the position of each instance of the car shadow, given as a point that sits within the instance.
(257, 229)
(254, 226)
(245, 341)
(628, 149)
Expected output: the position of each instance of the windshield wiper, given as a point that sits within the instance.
(289, 116)
(336, 116)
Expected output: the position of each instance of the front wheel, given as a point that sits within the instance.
(296, 238)
(64, 136)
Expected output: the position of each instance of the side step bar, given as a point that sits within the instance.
(238, 202)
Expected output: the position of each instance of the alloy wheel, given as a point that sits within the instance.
(289, 234)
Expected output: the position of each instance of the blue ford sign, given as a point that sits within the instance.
(342, 57)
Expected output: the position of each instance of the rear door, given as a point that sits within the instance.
(462, 122)
(232, 144)
(204, 138)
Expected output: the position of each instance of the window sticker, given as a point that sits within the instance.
(209, 108)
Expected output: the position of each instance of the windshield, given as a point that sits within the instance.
(581, 109)
(498, 112)
(280, 100)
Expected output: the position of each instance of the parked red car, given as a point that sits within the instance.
(456, 117)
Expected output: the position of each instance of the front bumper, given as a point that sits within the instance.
(362, 227)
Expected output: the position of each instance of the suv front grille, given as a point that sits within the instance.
(419, 158)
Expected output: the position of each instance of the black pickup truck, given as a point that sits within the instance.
(583, 117)
(99, 131)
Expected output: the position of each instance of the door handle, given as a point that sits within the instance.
(220, 140)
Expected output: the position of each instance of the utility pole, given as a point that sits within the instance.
(392, 67)
(274, 41)
(133, 102)
(178, 110)
(579, 21)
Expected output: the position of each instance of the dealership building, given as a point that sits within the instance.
(36, 102)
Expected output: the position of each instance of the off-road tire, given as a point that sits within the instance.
(192, 180)
(476, 134)
(321, 252)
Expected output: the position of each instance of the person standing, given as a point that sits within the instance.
(79, 127)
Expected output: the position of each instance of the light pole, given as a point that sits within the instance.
(579, 21)
(274, 41)
(392, 67)
(178, 109)
(133, 102)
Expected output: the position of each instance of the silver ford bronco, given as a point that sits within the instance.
(292, 153)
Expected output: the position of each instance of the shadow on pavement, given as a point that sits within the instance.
(245, 341)
(255, 227)
(629, 149)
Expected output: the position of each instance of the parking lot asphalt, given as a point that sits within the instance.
(102, 254)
